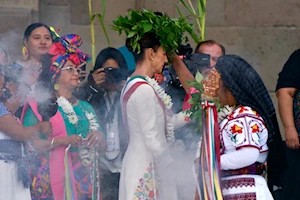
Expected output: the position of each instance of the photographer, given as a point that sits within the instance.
(103, 90)
(211, 47)
(187, 64)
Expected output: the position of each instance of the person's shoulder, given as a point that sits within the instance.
(245, 111)
(296, 52)
(144, 90)
(295, 56)
(145, 87)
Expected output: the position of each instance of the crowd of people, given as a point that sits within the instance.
(111, 136)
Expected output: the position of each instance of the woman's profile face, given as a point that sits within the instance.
(159, 60)
(223, 93)
(39, 42)
(69, 76)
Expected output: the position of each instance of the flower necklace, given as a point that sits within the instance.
(67, 108)
(167, 100)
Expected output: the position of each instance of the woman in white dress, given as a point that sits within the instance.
(150, 126)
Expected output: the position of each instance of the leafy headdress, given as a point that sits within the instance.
(169, 31)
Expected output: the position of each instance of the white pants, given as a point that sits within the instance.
(10, 187)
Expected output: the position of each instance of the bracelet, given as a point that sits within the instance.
(52, 142)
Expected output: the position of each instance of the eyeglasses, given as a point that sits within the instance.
(72, 69)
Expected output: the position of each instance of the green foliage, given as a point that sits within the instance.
(196, 109)
(199, 17)
(169, 31)
(101, 20)
(100, 17)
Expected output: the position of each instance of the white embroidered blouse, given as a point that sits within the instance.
(243, 130)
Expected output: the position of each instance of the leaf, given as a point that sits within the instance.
(191, 101)
(179, 11)
(93, 17)
(147, 27)
(188, 8)
(198, 77)
(200, 10)
(197, 86)
(101, 19)
(103, 7)
(131, 34)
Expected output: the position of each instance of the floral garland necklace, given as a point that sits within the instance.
(68, 109)
(167, 100)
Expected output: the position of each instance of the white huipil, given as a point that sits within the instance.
(145, 170)
(244, 138)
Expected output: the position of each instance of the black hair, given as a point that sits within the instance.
(110, 53)
(44, 81)
(210, 42)
(32, 27)
(149, 40)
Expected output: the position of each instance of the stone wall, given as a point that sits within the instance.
(263, 32)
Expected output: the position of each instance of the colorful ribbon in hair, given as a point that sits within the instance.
(66, 48)
(209, 170)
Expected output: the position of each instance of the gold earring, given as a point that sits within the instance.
(25, 52)
(56, 87)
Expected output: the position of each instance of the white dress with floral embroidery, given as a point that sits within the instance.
(240, 129)
(147, 159)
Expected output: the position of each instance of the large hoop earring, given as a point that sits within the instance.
(56, 87)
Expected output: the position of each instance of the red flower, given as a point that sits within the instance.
(242, 109)
(255, 128)
(236, 129)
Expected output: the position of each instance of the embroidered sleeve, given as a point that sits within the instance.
(245, 131)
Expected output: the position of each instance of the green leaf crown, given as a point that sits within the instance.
(169, 31)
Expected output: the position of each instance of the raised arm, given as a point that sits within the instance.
(182, 72)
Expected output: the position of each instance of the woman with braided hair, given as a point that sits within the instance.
(249, 133)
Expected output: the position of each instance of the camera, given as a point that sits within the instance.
(114, 75)
(194, 62)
